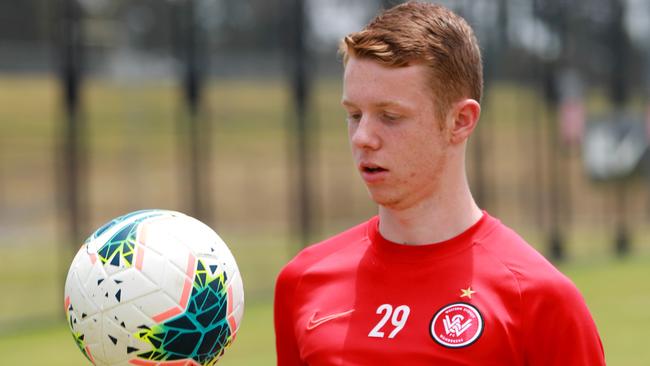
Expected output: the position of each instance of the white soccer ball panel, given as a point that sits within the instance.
(84, 304)
(118, 338)
(131, 285)
(177, 284)
(156, 304)
(164, 237)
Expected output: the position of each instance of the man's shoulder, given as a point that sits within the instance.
(532, 270)
(546, 293)
(319, 251)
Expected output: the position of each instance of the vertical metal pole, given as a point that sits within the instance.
(619, 49)
(479, 136)
(197, 136)
(301, 151)
(571, 93)
(539, 132)
(646, 95)
(556, 241)
(560, 169)
(555, 199)
(71, 186)
(496, 48)
(538, 151)
(476, 146)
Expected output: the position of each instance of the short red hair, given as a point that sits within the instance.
(427, 34)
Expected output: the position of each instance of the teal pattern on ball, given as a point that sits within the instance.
(117, 220)
(202, 332)
(121, 246)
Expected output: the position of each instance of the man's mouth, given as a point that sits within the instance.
(371, 168)
(376, 169)
(372, 173)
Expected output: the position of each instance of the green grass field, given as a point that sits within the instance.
(53, 344)
(617, 293)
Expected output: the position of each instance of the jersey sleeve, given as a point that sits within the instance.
(283, 315)
(559, 329)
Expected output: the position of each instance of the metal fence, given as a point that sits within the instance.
(228, 110)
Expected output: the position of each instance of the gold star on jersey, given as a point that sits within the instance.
(468, 292)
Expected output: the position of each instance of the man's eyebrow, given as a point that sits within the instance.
(389, 104)
(348, 103)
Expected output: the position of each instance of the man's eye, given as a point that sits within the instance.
(354, 117)
(390, 116)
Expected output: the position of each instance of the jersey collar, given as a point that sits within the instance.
(414, 253)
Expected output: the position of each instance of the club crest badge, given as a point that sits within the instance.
(457, 325)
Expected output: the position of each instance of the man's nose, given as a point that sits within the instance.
(365, 135)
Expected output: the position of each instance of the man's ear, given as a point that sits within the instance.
(464, 117)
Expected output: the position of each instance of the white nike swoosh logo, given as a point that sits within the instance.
(313, 322)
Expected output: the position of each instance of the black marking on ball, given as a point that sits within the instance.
(115, 261)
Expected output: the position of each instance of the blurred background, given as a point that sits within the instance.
(228, 110)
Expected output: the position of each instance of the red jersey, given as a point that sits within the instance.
(484, 297)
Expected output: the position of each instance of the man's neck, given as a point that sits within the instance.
(430, 221)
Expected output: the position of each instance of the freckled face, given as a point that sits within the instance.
(396, 141)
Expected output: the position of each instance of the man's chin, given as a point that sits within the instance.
(383, 199)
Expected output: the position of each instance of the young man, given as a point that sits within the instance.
(432, 280)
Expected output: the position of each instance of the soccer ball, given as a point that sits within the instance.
(154, 287)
